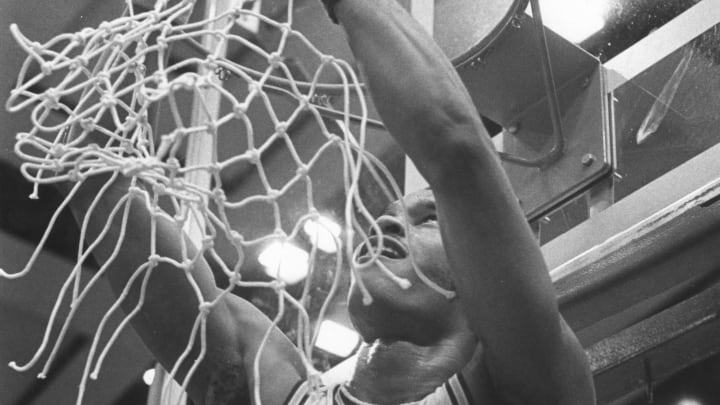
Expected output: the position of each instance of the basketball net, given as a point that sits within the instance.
(106, 70)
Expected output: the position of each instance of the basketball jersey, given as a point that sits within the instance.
(453, 392)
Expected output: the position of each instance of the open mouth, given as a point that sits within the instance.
(391, 248)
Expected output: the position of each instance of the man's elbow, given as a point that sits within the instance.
(564, 378)
(576, 379)
(455, 142)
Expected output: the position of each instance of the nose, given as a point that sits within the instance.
(389, 225)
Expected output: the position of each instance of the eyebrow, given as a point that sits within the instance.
(429, 203)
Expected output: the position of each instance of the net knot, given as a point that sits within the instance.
(166, 26)
(208, 243)
(130, 122)
(162, 43)
(278, 286)
(240, 110)
(118, 41)
(140, 68)
(203, 82)
(214, 168)
(77, 64)
(159, 189)
(177, 184)
(75, 176)
(253, 156)
(108, 101)
(82, 61)
(170, 138)
(314, 380)
(102, 78)
(132, 65)
(211, 127)
(205, 308)
(132, 167)
(36, 47)
(219, 195)
(159, 78)
(210, 62)
(284, 27)
(303, 170)
(275, 59)
(186, 265)
(237, 238)
(153, 260)
(78, 39)
(327, 59)
(173, 166)
(253, 87)
(87, 124)
(106, 27)
(335, 139)
(235, 278)
(47, 68)
(281, 129)
(57, 166)
(52, 98)
(86, 33)
(185, 81)
(273, 194)
(127, 145)
(135, 191)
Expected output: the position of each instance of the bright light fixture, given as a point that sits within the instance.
(689, 401)
(285, 261)
(575, 20)
(337, 339)
(149, 376)
(323, 231)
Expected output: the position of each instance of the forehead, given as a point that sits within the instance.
(422, 197)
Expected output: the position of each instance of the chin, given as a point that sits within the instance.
(395, 311)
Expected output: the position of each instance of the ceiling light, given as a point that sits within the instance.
(149, 376)
(323, 231)
(337, 339)
(689, 401)
(285, 261)
(575, 20)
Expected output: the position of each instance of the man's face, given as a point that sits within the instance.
(409, 233)
(411, 244)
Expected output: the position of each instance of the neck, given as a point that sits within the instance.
(390, 371)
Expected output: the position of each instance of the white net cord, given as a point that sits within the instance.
(109, 130)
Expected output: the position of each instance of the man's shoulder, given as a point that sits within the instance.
(478, 381)
(454, 391)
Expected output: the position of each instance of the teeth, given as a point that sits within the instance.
(388, 252)
(391, 248)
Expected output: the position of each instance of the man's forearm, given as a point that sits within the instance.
(416, 90)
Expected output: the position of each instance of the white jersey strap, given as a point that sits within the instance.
(453, 392)
(457, 390)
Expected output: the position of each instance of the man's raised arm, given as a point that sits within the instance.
(235, 327)
(502, 280)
